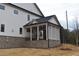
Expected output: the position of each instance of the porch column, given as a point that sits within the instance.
(46, 31)
(37, 32)
(31, 33)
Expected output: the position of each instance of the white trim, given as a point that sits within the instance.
(37, 32)
(31, 33)
(35, 25)
(46, 31)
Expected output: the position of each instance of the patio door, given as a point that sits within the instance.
(34, 33)
(42, 32)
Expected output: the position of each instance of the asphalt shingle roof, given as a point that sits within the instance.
(42, 20)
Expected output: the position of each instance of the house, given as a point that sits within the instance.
(24, 25)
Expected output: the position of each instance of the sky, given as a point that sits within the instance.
(59, 9)
(55, 7)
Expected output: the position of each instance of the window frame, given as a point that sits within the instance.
(28, 17)
(2, 27)
(2, 7)
(16, 12)
(20, 30)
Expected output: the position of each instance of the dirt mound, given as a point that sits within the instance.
(67, 47)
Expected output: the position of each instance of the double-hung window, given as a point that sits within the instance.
(2, 7)
(2, 27)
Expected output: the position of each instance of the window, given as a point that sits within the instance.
(20, 30)
(2, 7)
(2, 27)
(28, 17)
(15, 11)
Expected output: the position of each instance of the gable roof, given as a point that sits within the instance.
(43, 20)
(38, 9)
(26, 10)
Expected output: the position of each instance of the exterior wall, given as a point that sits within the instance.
(53, 33)
(27, 5)
(13, 22)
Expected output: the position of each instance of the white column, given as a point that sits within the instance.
(46, 31)
(31, 33)
(37, 32)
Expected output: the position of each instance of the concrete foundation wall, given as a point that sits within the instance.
(18, 42)
(54, 43)
(11, 42)
(37, 44)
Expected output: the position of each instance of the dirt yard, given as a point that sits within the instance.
(41, 52)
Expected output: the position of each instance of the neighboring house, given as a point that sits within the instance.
(24, 25)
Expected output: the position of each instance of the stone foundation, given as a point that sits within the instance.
(17, 42)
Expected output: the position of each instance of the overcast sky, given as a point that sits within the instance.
(59, 9)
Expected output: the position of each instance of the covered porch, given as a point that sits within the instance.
(37, 32)
(43, 32)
